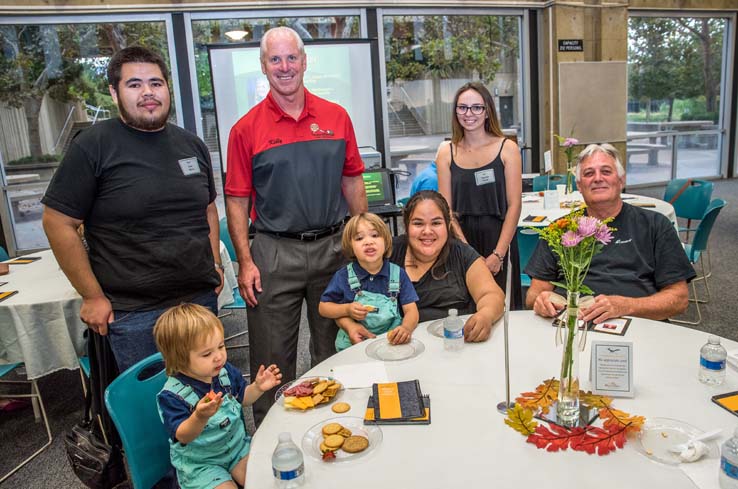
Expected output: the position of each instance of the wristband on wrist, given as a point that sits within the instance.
(219, 266)
(499, 256)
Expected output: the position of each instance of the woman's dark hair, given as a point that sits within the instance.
(438, 271)
(491, 123)
(134, 54)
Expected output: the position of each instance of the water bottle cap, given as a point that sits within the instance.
(713, 340)
(453, 312)
(283, 437)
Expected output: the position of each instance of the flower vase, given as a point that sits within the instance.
(569, 179)
(572, 340)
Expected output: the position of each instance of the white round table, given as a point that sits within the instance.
(533, 206)
(468, 444)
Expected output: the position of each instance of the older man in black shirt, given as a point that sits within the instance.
(643, 272)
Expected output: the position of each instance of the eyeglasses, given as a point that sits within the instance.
(475, 109)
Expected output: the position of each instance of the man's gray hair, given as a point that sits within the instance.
(274, 31)
(605, 148)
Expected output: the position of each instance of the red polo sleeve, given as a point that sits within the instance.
(239, 182)
(353, 165)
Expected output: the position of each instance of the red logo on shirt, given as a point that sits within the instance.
(275, 141)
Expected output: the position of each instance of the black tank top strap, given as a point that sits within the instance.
(499, 154)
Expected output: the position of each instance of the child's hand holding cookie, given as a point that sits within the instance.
(267, 378)
(399, 336)
(208, 405)
(357, 311)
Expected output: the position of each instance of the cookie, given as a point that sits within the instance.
(331, 429)
(355, 444)
(333, 441)
(325, 448)
(341, 407)
(345, 432)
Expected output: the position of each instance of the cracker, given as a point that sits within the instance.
(320, 387)
(345, 432)
(355, 444)
(333, 441)
(341, 407)
(331, 429)
(325, 448)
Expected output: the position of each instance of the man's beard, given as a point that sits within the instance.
(143, 123)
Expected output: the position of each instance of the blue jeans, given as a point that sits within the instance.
(130, 334)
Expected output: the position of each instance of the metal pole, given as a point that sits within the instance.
(503, 406)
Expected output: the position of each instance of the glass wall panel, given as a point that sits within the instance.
(427, 59)
(214, 31)
(53, 83)
(675, 76)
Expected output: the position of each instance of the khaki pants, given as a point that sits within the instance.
(291, 271)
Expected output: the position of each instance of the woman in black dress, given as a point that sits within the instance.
(479, 174)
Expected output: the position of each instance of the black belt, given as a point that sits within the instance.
(306, 235)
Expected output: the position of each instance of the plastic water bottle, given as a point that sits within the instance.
(729, 463)
(287, 463)
(453, 331)
(712, 362)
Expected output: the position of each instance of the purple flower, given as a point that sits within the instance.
(603, 234)
(570, 142)
(570, 239)
(587, 226)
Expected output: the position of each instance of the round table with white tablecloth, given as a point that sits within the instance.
(468, 444)
(533, 206)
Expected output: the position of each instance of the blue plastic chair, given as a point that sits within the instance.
(549, 182)
(225, 237)
(131, 402)
(3, 254)
(695, 251)
(527, 242)
(38, 410)
(692, 203)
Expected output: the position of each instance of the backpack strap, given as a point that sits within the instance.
(353, 280)
(394, 281)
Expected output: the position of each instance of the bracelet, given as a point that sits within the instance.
(219, 266)
(499, 256)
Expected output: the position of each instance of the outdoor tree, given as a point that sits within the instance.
(66, 62)
(671, 59)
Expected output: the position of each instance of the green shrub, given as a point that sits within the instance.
(30, 159)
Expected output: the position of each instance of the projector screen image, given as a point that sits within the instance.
(339, 71)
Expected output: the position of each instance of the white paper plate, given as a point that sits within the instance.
(381, 349)
(659, 434)
(314, 437)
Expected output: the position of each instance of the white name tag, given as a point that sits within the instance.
(189, 166)
(483, 177)
(611, 368)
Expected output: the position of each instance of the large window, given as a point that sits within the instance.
(427, 58)
(212, 30)
(676, 75)
(53, 83)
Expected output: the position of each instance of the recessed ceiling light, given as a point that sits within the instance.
(236, 35)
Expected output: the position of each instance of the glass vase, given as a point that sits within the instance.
(569, 179)
(570, 337)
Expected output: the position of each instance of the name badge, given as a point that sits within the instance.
(189, 166)
(483, 177)
(611, 368)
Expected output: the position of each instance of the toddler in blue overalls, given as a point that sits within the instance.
(201, 404)
(366, 295)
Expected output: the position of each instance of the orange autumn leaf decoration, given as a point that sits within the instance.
(543, 397)
(594, 399)
(616, 424)
(612, 417)
(521, 420)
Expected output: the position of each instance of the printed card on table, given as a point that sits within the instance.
(611, 368)
(616, 326)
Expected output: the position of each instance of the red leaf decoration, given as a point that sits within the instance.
(556, 438)
(600, 441)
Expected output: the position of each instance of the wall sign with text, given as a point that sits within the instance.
(571, 45)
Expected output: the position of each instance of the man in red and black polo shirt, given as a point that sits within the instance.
(294, 160)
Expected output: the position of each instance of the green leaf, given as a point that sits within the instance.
(583, 289)
(559, 284)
